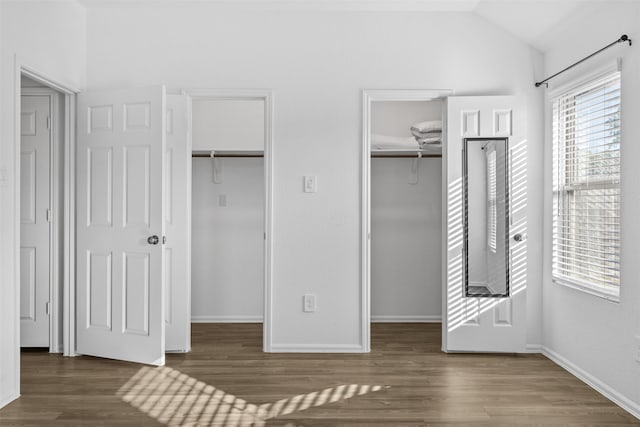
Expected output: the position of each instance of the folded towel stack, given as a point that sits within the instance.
(385, 142)
(428, 132)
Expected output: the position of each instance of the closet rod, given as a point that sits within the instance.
(218, 154)
(623, 38)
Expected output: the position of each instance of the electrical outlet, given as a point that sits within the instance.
(222, 200)
(637, 352)
(309, 303)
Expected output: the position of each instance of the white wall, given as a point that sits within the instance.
(227, 279)
(395, 118)
(49, 37)
(596, 338)
(406, 225)
(228, 124)
(406, 230)
(317, 63)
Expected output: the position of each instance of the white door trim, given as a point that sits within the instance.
(368, 97)
(22, 67)
(67, 335)
(265, 95)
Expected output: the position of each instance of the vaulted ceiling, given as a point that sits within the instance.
(536, 22)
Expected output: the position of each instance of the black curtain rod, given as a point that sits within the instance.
(623, 38)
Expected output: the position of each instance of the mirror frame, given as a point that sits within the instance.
(465, 217)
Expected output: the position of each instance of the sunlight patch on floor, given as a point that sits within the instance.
(176, 399)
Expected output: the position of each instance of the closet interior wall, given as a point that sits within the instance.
(227, 212)
(406, 221)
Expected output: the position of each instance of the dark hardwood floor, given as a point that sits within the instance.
(227, 381)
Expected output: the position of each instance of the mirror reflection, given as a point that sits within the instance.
(486, 221)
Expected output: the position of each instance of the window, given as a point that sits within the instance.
(586, 187)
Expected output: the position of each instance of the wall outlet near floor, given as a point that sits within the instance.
(222, 200)
(309, 303)
(637, 352)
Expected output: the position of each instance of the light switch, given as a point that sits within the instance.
(3, 177)
(310, 184)
(309, 303)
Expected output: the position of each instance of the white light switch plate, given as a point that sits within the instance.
(310, 184)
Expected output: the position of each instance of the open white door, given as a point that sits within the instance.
(35, 180)
(120, 224)
(178, 226)
(484, 307)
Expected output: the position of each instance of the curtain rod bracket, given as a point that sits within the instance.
(623, 38)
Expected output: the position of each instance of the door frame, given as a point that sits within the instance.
(67, 335)
(368, 97)
(265, 95)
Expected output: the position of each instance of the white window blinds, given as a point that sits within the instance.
(586, 186)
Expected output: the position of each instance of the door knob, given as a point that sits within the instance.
(518, 237)
(153, 240)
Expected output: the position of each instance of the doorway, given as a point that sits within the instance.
(231, 207)
(42, 149)
(401, 207)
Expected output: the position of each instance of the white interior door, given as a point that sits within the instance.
(178, 226)
(473, 323)
(120, 224)
(35, 268)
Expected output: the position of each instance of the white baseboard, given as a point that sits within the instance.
(5, 401)
(624, 402)
(533, 348)
(226, 319)
(316, 348)
(405, 319)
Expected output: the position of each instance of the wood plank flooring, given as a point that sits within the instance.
(227, 381)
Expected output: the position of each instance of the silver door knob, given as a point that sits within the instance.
(153, 240)
(518, 237)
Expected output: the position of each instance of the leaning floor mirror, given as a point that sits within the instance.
(486, 217)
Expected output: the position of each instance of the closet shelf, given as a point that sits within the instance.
(407, 153)
(227, 153)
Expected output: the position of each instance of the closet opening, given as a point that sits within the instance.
(41, 195)
(403, 176)
(230, 199)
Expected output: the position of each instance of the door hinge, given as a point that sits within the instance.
(48, 308)
(49, 215)
(48, 122)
